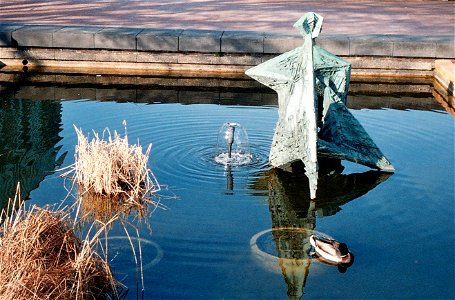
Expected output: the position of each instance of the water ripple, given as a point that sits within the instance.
(184, 137)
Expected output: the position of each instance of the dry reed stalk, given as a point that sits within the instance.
(113, 180)
(41, 258)
(115, 169)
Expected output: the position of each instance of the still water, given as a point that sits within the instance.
(242, 232)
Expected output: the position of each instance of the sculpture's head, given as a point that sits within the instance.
(310, 23)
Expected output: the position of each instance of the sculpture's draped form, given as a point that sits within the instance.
(312, 86)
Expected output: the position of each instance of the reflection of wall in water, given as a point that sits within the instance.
(28, 136)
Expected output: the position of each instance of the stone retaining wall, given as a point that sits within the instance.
(207, 53)
(211, 50)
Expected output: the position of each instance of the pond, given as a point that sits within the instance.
(242, 232)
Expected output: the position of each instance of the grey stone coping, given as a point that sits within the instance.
(379, 45)
(242, 42)
(6, 34)
(200, 40)
(117, 38)
(428, 46)
(280, 43)
(337, 44)
(36, 36)
(158, 40)
(79, 37)
(218, 41)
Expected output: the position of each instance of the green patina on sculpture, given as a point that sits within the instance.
(312, 86)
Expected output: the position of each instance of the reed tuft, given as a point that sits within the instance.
(42, 258)
(113, 170)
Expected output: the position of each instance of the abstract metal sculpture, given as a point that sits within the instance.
(312, 86)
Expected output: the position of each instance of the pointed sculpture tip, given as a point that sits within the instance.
(313, 195)
(248, 72)
(389, 168)
(385, 165)
(310, 23)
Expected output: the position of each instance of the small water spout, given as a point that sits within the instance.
(232, 147)
(230, 138)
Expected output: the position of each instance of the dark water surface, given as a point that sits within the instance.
(218, 240)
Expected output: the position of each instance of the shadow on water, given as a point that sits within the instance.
(293, 214)
(29, 134)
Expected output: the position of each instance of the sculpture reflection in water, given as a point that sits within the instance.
(293, 214)
(29, 133)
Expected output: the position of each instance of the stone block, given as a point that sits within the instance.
(6, 52)
(81, 37)
(114, 78)
(157, 96)
(269, 98)
(267, 57)
(35, 36)
(278, 43)
(204, 83)
(444, 72)
(371, 45)
(74, 93)
(159, 40)
(117, 38)
(241, 60)
(166, 81)
(6, 31)
(336, 44)
(445, 46)
(36, 92)
(70, 79)
(217, 59)
(34, 54)
(6, 77)
(115, 56)
(413, 46)
(42, 78)
(74, 54)
(236, 98)
(200, 40)
(242, 83)
(242, 42)
(199, 97)
(389, 88)
(157, 57)
(390, 63)
(199, 58)
(118, 95)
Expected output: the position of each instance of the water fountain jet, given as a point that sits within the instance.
(230, 138)
(232, 146)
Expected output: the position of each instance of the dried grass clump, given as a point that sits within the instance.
(41, 258)
(114, 169)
